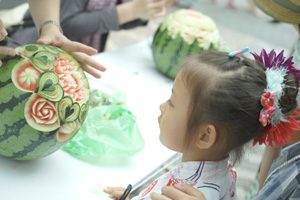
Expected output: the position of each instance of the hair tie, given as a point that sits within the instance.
(236, 53)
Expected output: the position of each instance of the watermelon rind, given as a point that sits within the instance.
(29, 49)
(178, 36)
(31, 125)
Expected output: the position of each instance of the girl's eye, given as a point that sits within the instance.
(170, 103)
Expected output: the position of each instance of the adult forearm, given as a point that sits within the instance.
(126, 12)
(141, 9)
(270, 154)
(43, 10)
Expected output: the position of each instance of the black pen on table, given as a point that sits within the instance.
(126, 192)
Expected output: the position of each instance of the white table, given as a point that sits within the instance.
(62, 176)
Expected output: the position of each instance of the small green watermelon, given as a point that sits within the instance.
(181, 33)
(44, 96)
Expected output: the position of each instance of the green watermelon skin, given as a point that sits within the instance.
(18, 139)
(168, 52)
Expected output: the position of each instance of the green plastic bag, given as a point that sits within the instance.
(110, 128)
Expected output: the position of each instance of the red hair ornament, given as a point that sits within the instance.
(280, 133)
(267, 99)
(279, 128)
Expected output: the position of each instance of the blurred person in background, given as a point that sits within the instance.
(89, 21)
(230, 3)
(251, 6)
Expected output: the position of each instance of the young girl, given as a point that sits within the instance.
(218, 104)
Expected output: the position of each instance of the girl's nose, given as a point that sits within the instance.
(162, 107)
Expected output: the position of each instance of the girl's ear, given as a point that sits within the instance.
(206, 137)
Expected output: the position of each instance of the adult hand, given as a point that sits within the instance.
(115, 192)
(52, 36)
(142, 9)
(5, 50)
(149, 9)
(178, 192)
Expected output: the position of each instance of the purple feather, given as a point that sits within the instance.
(271, 60)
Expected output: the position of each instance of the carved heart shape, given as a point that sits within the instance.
(67, 110)
(48, 86)
(43, 60)
(83, 112)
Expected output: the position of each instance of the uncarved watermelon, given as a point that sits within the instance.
(44, 96)
(181, 33)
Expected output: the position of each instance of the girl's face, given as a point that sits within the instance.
(173, 118)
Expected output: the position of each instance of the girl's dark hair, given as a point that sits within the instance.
(226, 92)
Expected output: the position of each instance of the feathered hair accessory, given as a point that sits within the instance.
(279, 128)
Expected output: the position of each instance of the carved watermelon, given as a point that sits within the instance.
(44, 97)
(181, 33)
